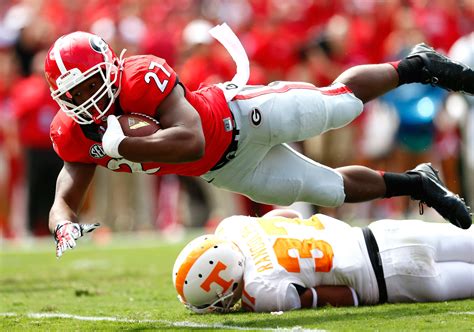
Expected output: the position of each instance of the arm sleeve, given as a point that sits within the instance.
(288, 297)
(291, 299)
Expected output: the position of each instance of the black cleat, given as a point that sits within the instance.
(435, 194)
(439, 70)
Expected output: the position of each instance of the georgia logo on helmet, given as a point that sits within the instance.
(74, 58)
(208, 274)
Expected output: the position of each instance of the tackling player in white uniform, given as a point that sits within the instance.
(283, 262)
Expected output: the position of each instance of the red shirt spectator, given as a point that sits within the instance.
(34, 109)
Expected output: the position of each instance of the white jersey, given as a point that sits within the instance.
(280, 252)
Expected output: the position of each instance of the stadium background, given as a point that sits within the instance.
(297, 40)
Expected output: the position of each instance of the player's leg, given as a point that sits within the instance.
(421, 183)
(450, 243)
(285, 112)
(447, 242)
(368, 82)
(450, 281)
(456, 281)
(425, 261)
(422, 65)
(362, 184)
(282, 177)
(292, 177)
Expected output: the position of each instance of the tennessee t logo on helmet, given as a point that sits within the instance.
(207, 272)
(214, 277)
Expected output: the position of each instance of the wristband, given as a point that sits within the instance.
(112, 138)
(354, 297)
(113, 147)
(315, 298)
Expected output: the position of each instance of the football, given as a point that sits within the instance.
(138, 125)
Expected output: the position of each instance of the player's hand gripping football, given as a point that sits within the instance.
(113, 136)
(66, 234)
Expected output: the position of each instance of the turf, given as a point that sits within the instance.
(126, 285)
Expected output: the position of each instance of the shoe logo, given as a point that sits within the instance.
(255, 117)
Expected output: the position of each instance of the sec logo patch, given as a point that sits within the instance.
(96, 151)
(255, 117)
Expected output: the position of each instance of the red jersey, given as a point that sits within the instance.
(146, 81)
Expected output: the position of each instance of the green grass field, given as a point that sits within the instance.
(126, 285)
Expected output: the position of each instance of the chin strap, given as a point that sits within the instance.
(120, 62)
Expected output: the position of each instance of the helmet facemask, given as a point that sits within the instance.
(89, 111)
(223, 304)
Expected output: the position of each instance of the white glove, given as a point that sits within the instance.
(113, 136)
(66, 234)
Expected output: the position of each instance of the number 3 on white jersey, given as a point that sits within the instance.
(151, 75)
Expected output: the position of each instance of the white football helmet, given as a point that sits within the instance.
(207, 273)
(74, 58)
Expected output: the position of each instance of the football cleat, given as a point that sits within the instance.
(435, 194)
(439, 70)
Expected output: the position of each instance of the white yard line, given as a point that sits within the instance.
(461, 313)
(158, 321)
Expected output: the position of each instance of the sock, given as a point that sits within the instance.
(402, 184)
(409, 70)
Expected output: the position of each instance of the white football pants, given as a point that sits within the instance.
(269, 171)
(425, 262)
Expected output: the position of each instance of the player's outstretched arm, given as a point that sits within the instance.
(71, 186)
(180, 140)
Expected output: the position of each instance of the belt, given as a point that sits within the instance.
(231, 150)
(376, 261)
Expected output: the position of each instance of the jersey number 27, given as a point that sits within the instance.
(153, 76)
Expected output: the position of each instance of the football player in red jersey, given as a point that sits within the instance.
(235, 143)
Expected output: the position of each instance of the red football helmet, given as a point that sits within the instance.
(74, 58)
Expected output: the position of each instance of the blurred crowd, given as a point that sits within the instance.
(296, 40)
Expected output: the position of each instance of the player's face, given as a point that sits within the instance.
(84, 91)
